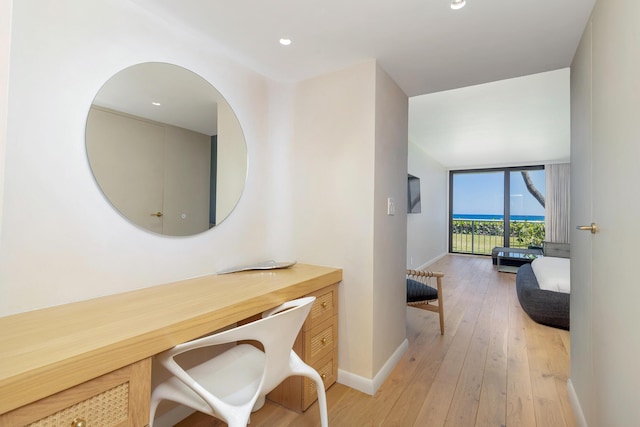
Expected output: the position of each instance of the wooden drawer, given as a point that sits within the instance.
(328, 370)
(117, 399)
(319, 341)
(325, 306)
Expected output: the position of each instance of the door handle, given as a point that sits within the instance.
(158, 214)
(593, 228)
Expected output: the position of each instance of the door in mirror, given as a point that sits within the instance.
(166, 149)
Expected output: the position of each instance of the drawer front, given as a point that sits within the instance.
(119, 398)
(109, 408)
(324, 307)
(320, 340)
(328, 370)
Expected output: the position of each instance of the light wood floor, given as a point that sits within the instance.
(493, 367)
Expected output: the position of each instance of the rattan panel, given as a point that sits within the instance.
(106, 409)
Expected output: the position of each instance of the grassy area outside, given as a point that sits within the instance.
(481, 236)
(480, 244)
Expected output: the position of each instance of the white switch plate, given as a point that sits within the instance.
(391, 207)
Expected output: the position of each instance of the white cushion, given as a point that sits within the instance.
(553, 274)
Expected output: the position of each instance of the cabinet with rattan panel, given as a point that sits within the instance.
(117, 399)
(317, 345)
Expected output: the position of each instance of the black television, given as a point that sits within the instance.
(413, 193)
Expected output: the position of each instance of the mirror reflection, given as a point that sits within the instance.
(166, 149)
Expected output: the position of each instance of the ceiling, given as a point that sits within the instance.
(424, 45)
(513, 122)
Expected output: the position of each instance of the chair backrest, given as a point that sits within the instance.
(277, 331)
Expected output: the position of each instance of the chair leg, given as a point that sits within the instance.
(440, 305)
(298, 367)
(322, 397)
(242, 418)
(152, 412)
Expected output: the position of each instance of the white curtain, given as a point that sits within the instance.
(557, 203)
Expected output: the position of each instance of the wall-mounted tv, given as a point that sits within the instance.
(413, 188)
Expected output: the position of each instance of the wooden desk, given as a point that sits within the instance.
(46, 351)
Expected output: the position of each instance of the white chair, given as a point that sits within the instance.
(233, 384)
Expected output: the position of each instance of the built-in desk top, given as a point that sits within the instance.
(45, 351)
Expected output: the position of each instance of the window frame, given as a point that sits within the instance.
(506, 199)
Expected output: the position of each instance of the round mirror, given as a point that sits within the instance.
(166, 149)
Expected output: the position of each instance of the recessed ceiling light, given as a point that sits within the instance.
(285, 42)
(156, 103)
(458, 4)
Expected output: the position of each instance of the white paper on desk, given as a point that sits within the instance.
(265, 265)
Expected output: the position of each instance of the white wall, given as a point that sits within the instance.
(333, 193)
(323, 157)
(341, 150)
(5, 46)
(61, 240)
(389, 235)
(605, 342)
(427, 231)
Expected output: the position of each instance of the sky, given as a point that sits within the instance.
(483, 192)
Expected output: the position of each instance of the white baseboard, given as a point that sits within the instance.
(368, 385)
(431, 261)
(575, 404)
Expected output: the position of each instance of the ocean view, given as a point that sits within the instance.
(497, 217)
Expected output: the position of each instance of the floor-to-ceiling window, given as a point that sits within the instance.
(496, 207)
